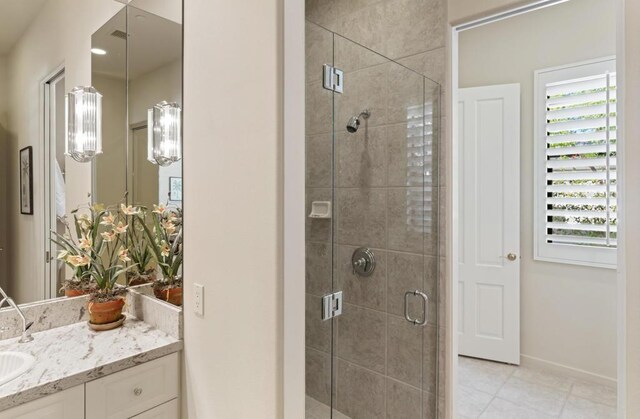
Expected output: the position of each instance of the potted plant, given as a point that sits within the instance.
(165, 242)
(98, 248)
(80, 283)
(140, 252)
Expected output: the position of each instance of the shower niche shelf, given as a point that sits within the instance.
(320, 209)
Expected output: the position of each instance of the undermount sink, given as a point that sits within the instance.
(14, 364)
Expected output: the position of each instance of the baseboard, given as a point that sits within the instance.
(530, 361)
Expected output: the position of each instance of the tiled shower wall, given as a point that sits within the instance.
(377, 351)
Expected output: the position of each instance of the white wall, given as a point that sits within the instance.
(60, 34)
(233, 208)
(568, 312)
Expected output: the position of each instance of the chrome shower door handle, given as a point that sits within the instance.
(425, 307)
(406, 307)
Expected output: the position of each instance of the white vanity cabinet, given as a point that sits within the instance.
(146, 391)
(67, 404)
(169, 410)
(133, 391)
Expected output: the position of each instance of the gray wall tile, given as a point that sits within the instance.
(404, 351)
(361, 393)
(371, 291)
(403, 401)
(318, 375)
(362, 217)
(362, 337)
(318, 268)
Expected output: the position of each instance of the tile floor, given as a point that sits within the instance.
(490, 390)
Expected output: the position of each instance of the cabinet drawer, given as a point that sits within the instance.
(134, 390)
(169, 410)
(67, 404)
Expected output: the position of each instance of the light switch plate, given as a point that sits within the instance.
(198, 300)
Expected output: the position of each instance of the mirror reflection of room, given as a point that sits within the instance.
(133, 55)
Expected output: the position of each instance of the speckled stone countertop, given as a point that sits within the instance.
(71, 355)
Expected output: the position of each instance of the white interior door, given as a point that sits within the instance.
(489, 241)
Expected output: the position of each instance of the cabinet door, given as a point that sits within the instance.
(169, 410)
(68, 404)
(135, 390)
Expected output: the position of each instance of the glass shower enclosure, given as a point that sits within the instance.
(371, 234)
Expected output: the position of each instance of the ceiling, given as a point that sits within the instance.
(153, 42)
(15, 17)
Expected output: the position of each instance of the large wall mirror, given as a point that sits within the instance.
(132, 56)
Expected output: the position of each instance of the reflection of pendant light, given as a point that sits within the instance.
(164, 135)
(83, 123)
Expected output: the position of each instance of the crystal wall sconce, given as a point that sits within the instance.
(164, 133)
(83, 117)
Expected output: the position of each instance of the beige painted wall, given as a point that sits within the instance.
(568, 312)
(233, 208)
(464, 10)
(164, 83)
(111, 166)
(4, 171)
(60, 34)
(629, 404)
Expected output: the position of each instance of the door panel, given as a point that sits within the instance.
(381, 179)
(489, 283)
(55, 182)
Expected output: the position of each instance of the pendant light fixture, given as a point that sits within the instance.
(164, 133)
(83, 114)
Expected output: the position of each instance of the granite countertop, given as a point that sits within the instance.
(71, 355)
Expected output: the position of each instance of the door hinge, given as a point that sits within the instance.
(331, 305)
(333, 78)
(47, 256)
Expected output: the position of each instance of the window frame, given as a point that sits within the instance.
(555, 252)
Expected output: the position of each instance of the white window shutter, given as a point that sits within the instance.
(581, 161)
(575, 156)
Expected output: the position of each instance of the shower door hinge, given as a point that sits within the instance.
(331, 305)
(333, 78)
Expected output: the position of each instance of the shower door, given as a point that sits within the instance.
(370, 154)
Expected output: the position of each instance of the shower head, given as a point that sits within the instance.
(354, 121)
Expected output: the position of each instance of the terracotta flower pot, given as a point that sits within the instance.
(137, 278)
(171, 295)
(107, 312)
(74, 293)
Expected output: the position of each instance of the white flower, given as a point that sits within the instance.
(84, 221)
(85, 242)
(62, 255)
(109, 236)
(169, 227)
(78, 261)
(164, 249)
(123, 255)
(159, 209)
(108, 219)
(120, 228)
(128, 210)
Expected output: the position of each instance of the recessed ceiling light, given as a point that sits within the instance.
(98, 51)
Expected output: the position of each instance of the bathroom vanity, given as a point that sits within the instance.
(129, 372)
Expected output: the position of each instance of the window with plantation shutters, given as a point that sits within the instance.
(575, 140)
